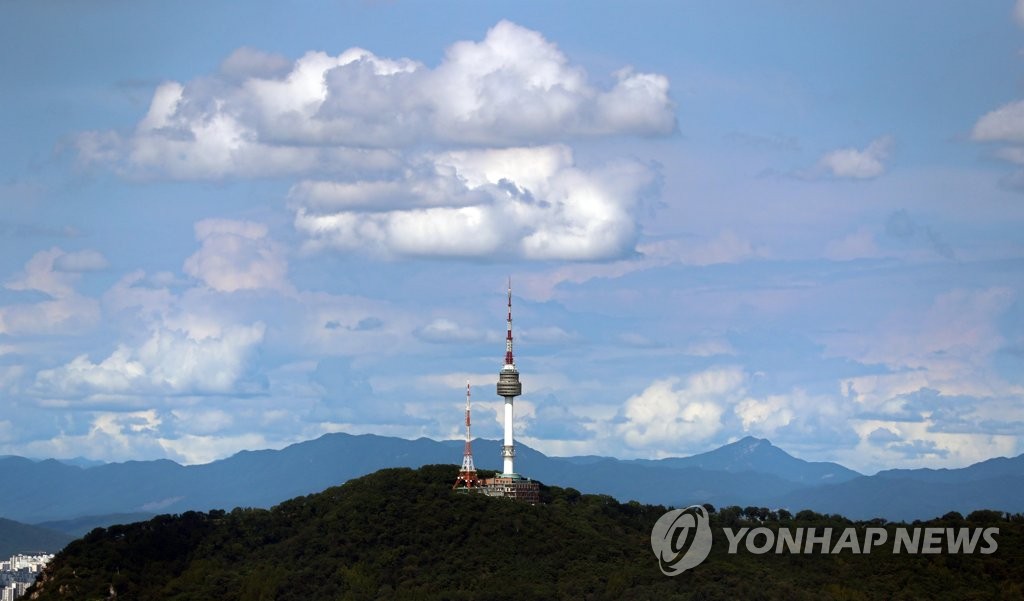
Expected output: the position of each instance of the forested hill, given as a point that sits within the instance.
(404, 534)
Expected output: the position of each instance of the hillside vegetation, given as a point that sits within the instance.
(403, 534)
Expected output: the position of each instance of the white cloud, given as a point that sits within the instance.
(171, 360)
(426, 185)
(192, 449)
(66, 311)
(69, 315)
(914, 444)
(40, 274)
(710, 348)
(247, 62)
(542, 285)
(494, 413)
(343, 112)
(237, 255)
(545, 335)
(959, 328)
(129, 293)
(341, 325)
(171, 141)
(1012, 154)
(361, 124)
(444, 232)
(946, 347)
(531, 203)
(10, 375)
(447, 331)
(675, 416)
(858, 164)
(111, 437)
(724, 247)
(765, 415)
(83, 260)
(517, 86)
(1004, 124)
(671, 414)
(141, 435)
(203, 421)
(856, 245)
(1018, 12)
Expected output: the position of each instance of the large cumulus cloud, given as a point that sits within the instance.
(512, 88)
(401, 158)
(533, 203)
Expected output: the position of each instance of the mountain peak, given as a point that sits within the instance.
(751, 442)
(752, 454)
(750, 445)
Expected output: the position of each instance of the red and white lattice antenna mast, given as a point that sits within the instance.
(467, 475)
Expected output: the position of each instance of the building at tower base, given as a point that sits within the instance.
(512, 486)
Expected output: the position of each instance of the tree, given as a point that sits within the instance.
(985, 516)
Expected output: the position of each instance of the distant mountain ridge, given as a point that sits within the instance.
(984, 470)
(751, 454)
(910, 494)
(747, 472)
(16, 537)
(81, 526)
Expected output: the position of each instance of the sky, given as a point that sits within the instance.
(230, 226)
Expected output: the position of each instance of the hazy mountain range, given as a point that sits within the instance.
(16, 537)
(74, 498)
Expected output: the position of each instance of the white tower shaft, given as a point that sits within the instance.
(507, 464)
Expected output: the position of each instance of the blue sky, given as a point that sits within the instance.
(230, 225)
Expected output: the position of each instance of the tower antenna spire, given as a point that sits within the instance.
(509, 359)
(467, 474)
